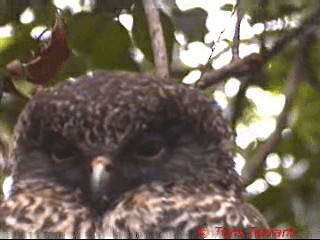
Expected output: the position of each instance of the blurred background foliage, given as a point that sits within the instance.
(113, 35)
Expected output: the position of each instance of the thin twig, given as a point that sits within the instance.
(238, 103)
(298, 73)
(255, 61)
(213, 48)
(205, 68)
(237, 106)
(157, 38)
(236, 37)
(42, 33)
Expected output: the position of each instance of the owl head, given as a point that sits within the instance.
(108, 133)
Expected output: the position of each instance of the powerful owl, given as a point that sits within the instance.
(124, 155)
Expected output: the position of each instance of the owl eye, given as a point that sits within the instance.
(151, 150)
(62, 156)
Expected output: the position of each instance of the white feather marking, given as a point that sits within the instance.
(7, 187)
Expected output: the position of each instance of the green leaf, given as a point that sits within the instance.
(19, 46)
(102, 41)
(227, 7)
(307, 123)
(73, 67)
(44, 12)
(263, 11)
(192, 23)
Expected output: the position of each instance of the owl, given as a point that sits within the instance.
(124, 155)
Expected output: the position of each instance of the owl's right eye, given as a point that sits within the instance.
(62, 156)
(61, 150)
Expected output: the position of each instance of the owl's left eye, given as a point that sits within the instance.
(151, 149)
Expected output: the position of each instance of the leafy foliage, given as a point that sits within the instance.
(195, 31)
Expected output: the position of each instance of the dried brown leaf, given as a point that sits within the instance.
(48, 60)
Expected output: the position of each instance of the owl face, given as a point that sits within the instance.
(108, 134)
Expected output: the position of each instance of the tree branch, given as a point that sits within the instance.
(213, 48)
(237, 69)
(298, 73)
(236, 37)
(157, 38)
(238, 103)
(255, 61)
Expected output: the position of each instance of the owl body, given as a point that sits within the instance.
(124, 155)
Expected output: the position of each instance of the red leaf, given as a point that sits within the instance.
(47, 62)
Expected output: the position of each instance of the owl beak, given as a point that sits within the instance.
(101, 167)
